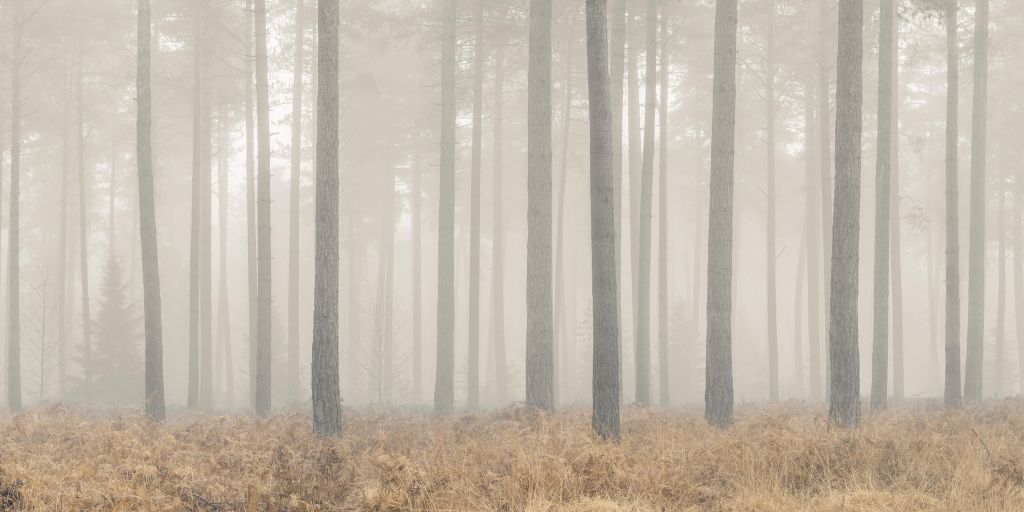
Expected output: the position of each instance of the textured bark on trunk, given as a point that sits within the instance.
(718, 393)
(605, 383)
(974, 376)
(883, 205)
(154, 378)
(617, 48)
(444, 383)
(844, 403)
(326, 393)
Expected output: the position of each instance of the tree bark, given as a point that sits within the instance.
(798, 311)
(498, 237)
(643, 299)
(62, 274)
(250, 198)
(195, 233)
(1000, 289)
(718, 394)
(883, 205)
(539, 336)
(770, 251)
(473, 367)
(844, 405)
(617, 43)
(952, 393)
(294, 204)
(13, 230)
(263, 256)
(444, 383)
(154, 379)
(326, 393)
(605, 383)
(973, 376)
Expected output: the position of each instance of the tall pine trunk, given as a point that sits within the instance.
(154, 378)
(195, 233)
(206, 256)
(605, 382)
(14, 228)
(62, 270)
(770, 251)
(974, 376)
(473, 367)
(498, 238)
(250, 198)
(444, 382)
(825, 163)
(643, 298)
(83, 227)
(844, 403)
(223, 308)
(294, 205)
(326, 393)
(663, 362)
(952, 393)
(617, 43)
(263, 257)
(1000, 288)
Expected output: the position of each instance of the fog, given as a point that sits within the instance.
(73, 315)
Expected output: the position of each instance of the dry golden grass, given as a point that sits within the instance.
(781, 458)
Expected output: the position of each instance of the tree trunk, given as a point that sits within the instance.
(206, 256)
(83, 226)
(844, 403)
(326, 393)
(974, 376)
(417, 282)
(539, 346)
(195, 233)
(813, 244)
(605, 419)
(473, 367)
(498, 237)
(444, 383)
(561, 337)
(1000, 290)
(14, 228)
(1018, 274)
(718, 395)
(617, 35)
(643, 299)
(798, 311)
(635, 161)
(883, 204)
(294, 205)
(223, 309)
(250, 198)
(896, 254)
(770, 251)
(147, 223)
(62, 274)
(825, 160)
(263, 257)
(663, 363)
(952, 374)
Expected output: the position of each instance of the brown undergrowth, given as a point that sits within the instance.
(779, 458)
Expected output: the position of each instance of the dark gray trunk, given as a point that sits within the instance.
(844, 402)
(952, 392)
(974, 376)
(883, 205)
(444, 383)
(605, 419)
(718, 393)
(154, 378)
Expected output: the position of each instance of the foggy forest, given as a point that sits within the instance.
(595, 255)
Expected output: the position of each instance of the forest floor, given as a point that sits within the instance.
(777, 458)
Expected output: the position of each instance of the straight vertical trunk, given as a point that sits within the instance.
(896, 254)
(635, 161)
(206, 257)
(605, 382)
(973, 376)
(663, 363)
(813, 244)
(825, 162)
(444, 382)
(13, 230)
(195, 233)
(294, 205)
(111, 204)
(473, 384)
(770, 265)
(83, 227)
(326, 393)
(498, 237)
(617, 43)
(539, 336)
(718, 394)
(844, 403)
(883, 204)
(417, 281)
(62, 274)
(1018, 274)
(798, 311)
(561, 336)
(154, 378)
(952, 393)
(263, 256)
(1000, 290)
(643, 300)
(250, 198)
(223, 309)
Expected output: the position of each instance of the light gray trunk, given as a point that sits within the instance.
(206, 256)
(1018, 274)
(798, 311)
(250, 198)
(1001, 289)
(770, 251)
(223, 309)
(718, 393)
(605, 383)
(444, 382)
(264, 296)
(417, 282)
(14, 228)
(825, 161)
(561, 337)
(643, 298)
(663, 362)
(896, 254)
(154, 379)
(498, 242)
(635, 161)
(952, 393)
(473, 367)
(883, 205)
(617, 42)
(844, 402)
(326, 393)
(294, 204)
(62, 270)
(813, 244)
(83, 227)
(974, 376)
(195, 232)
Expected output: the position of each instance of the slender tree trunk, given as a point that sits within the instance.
(444, 383)
(83, 226)
(62, 274)
(206, 256)
(813, 244)
(294, 205)
(498, 238)
(326, 393)
(798, 311)
(896, 254)
(111, 204)
(635, 161)
(825, 160)
(1018, 274)
(883, 205)
(250, 197)
(539, 346)
(223, 309)
(263, 257)
(770, 251)
(195, 234)
(1000, 289)
(389, 285)
(952, 373)
(718, 394)
(480, 55)
(417, 282)
(561, 337)
(14, 228)
(844, 404)
(154, 379)
(663, 362)
(617, 42)
(643, 299)
(605, 419)
(974, 377)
